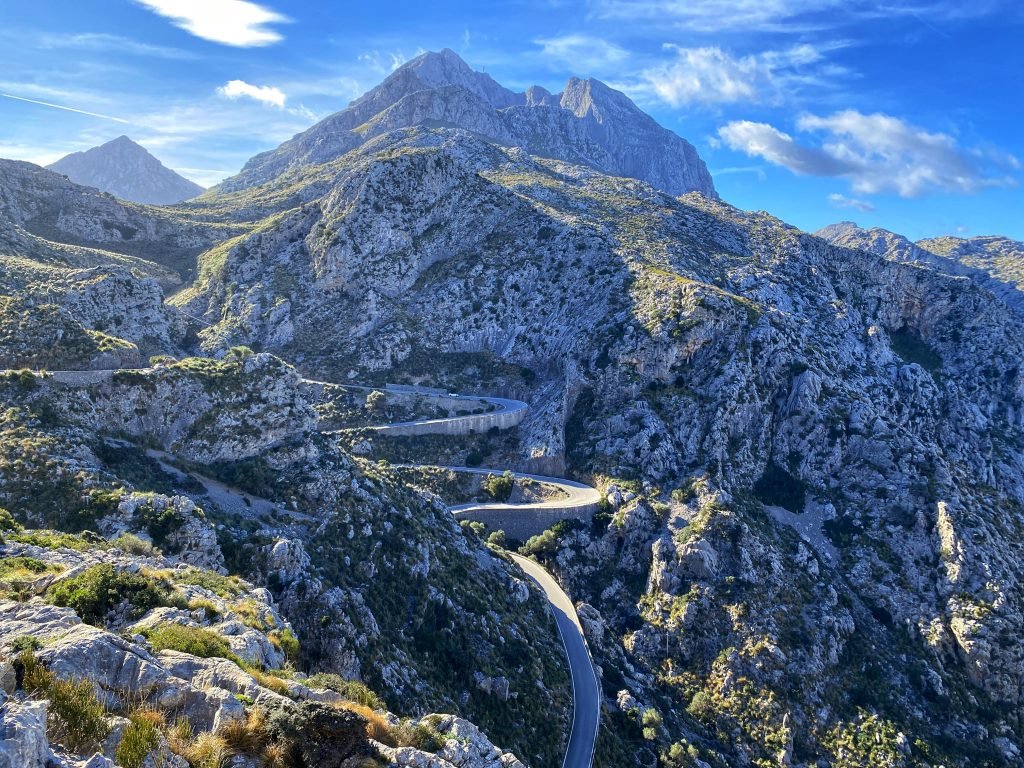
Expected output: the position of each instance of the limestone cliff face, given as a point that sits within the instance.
(588, 123)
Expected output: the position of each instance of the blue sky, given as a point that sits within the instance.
(903, 114)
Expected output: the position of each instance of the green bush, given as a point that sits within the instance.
(8, 523)
(30, 564)
(133, 545)
(542, 546)
(75, 716)
(499, 487)
(287, 642)
(198, 642)
(96, 591)
(24, 643)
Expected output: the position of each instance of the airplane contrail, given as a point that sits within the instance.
(66, 109)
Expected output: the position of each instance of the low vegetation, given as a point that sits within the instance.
(75, 717)
(95, 592)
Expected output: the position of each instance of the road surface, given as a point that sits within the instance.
(586, 693)
(577, 494)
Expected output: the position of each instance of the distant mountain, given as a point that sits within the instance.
(126, 170)
(997, 263)
(587, 124)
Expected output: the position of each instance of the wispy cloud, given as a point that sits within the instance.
(383, 63)
(877, 153)
(790, 16)
(98, 41)
(65, 108)
(584, 53)
(239, 23)
(712, 76)
(239, 89)
(837, 200)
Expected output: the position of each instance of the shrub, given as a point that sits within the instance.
(701, 707)
(51, 540)
(499, 487)
(140, 737)
(375, 401)
(94, 592)
(286, 641)
(311, 733)
(25, 643)
(26, 564)
(353, 690)
(497, 539)
(8, 523)
(542, 545)
(193, 640)
(133, 545)
(75, 716)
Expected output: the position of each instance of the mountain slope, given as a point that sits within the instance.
(995, 262)
(821, 446)
(588, 123)
(126, 170)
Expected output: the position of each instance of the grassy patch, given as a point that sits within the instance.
(193, 640)
(140, 737)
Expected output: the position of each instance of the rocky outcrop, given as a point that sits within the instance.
(465, 746)
(23, 742)
(588, 123)
(201, 410)
(49, 223)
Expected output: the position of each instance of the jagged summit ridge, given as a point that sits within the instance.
(126, 170)
(588, 123)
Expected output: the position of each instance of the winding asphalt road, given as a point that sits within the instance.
(586, 692)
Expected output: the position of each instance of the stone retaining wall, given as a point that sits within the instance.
(457, 425)
(525, 522)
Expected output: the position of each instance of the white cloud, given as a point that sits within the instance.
(583, 52)
(877, 153)
(232, 22)
(763, 140)
(238, 89)
(842, 201)
(710, 75)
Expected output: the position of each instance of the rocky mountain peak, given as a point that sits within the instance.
(128, 171)
(588, 124)
(591, 97)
